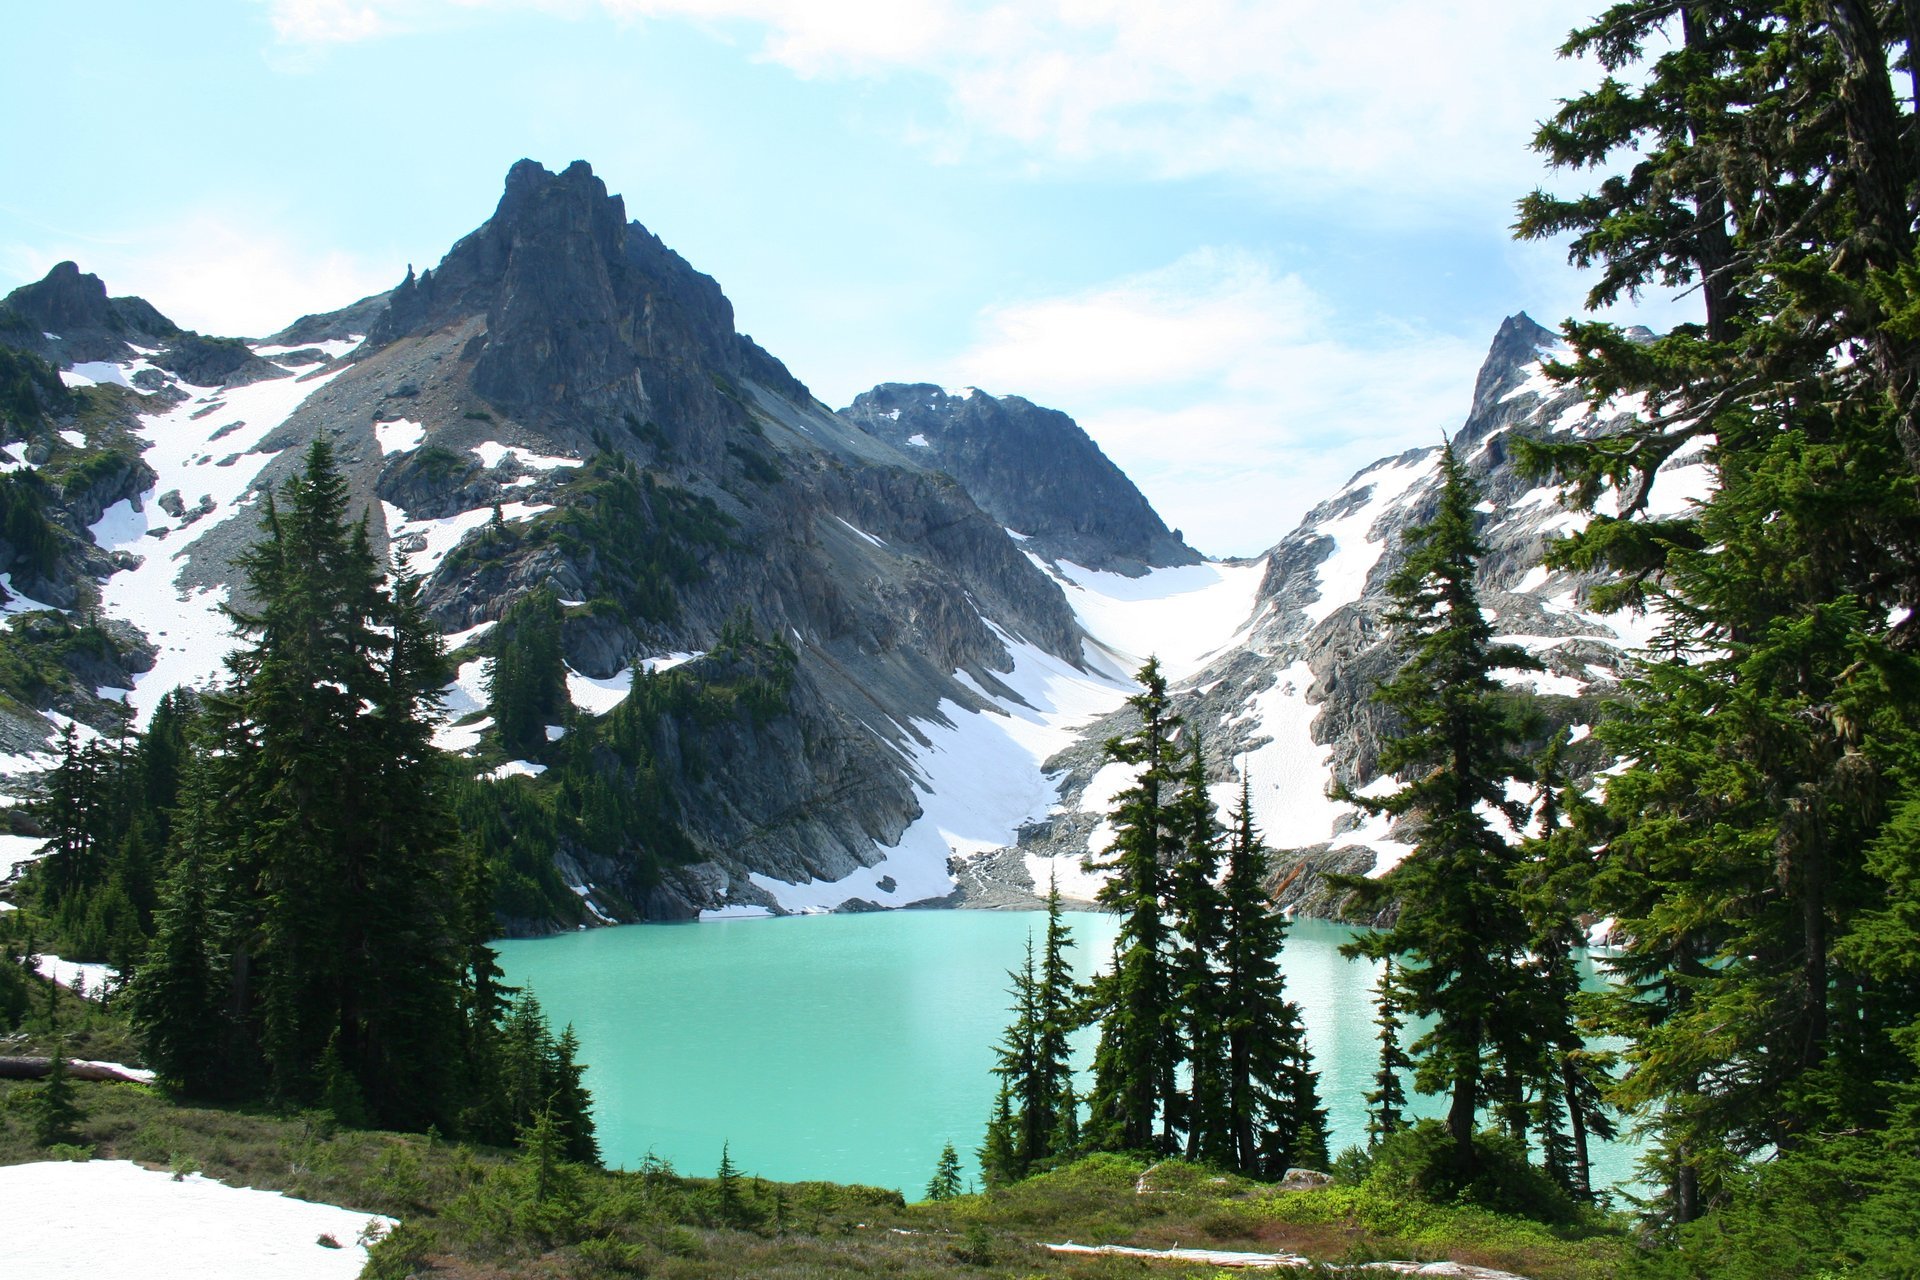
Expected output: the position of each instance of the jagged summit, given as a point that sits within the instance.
(67, 315)
(584, 313)
(1033, 469)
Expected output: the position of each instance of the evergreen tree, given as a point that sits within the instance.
(52, 1109)
(1387, 1100)
(318, 939)
(1459, 935)
(1273, 1108)
(1199, 921)
(527, 683)
(1137, 1056)
(1771, 728)
(945, 1183)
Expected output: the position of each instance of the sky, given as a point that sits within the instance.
(1250, 245)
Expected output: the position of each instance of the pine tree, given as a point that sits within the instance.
(1273, 1105)
(1459, 934)
(1770, 731)
(322, 884)
(1137, 1056)
(1199, 919)
(527, 682)
(945, 1183)
(1387, 1100)
(52, 1109)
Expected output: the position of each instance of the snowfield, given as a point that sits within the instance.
(110, 1218)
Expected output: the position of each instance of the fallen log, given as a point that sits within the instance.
(39, 1068)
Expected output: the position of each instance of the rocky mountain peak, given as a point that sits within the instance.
(567, 310)
(1515, 350)
(1033, 469)
(73, 306)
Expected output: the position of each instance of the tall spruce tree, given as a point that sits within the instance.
(317, 846)
(1768, 161)
(1274, 1116)
(1199, 917)
(1459, 936)
(1133, 1002)
(1387, 1100)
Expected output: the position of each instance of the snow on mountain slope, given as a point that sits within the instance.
(207, 451)
(981, 771)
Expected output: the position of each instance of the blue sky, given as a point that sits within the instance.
(1249, 244)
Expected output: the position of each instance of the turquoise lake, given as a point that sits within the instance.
(850, 1047)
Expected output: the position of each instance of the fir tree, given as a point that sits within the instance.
(1459, 934)
(1137, 1056)
(945, 1183)
(51, 1108)
(1199, 921)
(1273, 1105)
(1387, 1100)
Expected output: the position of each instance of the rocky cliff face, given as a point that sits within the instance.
(1033, 469)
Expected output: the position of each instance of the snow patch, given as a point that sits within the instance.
(736, 911)
(980, 779)
(103, 1218)
(402, 435)
(18, 851)
(917, 440)
(1342, 576)
(597, 696)
(215, 476)
(862, 532)
(91, 373)
(76, 975)
(515, 769)
(492, 451)
(1182, 615)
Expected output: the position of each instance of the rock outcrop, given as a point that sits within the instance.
(1033, 469)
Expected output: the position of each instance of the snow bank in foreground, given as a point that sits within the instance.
(108, 1218)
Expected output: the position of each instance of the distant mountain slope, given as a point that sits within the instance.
(1290, 701)
(1032, 469)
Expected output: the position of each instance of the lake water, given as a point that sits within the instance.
(850, 1047)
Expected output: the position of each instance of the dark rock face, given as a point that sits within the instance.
(215, 362)
(1032, 469)
(87, 324)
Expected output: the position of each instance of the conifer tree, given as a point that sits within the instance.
(1275, 1117)
(1199, 923)
(52, 1107)
(945, 1183)
(1769, 161)
(1460, 936)
(1387, 1100)
(1137, 1056)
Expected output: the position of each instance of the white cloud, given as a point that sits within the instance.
(1233, 394)
(1404, 101)
(210, 272)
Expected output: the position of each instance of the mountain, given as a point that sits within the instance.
(800, 660)
(1290, 700)
(1032, 469)
(829, 633)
